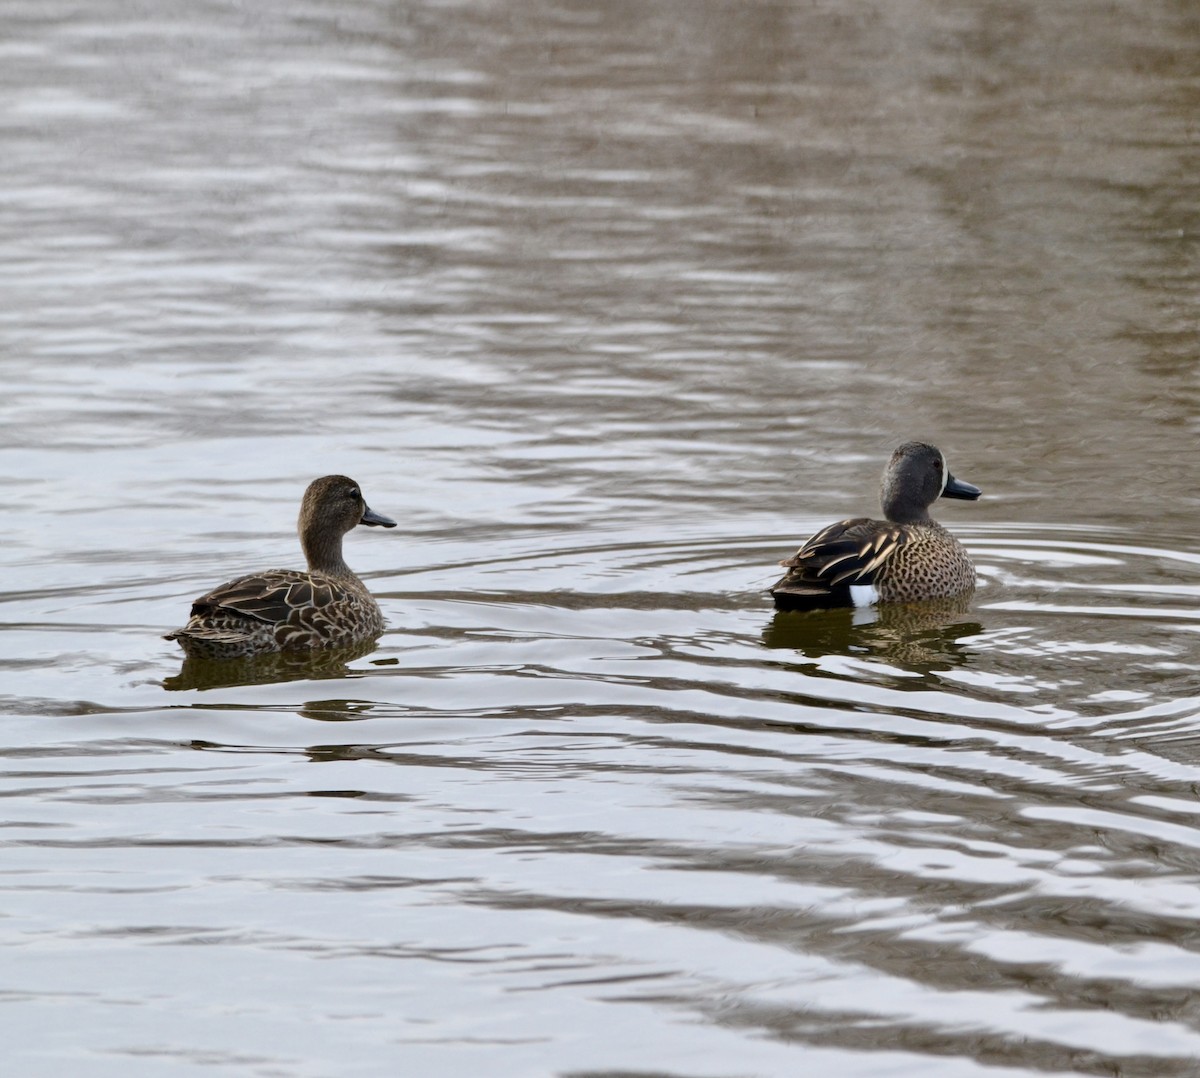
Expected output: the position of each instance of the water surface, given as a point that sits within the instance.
(610, 307)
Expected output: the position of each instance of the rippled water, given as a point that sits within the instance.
(610, 306)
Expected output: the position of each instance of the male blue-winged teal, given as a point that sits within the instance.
(287, 610)
(908, 557)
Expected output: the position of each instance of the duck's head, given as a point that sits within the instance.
(333, 505)
(915, 477)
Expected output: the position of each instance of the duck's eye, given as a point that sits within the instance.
(354, 492)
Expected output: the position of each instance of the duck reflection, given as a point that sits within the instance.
(318, 665)
(926, 636)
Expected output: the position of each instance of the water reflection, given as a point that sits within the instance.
(320, 665)
(919, 637)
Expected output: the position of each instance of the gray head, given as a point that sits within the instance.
(914, 479)
(332, 506)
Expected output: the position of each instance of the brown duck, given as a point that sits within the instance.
(288, 610)
(908, 557)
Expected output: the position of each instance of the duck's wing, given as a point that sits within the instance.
(269, 597)
(850, 552)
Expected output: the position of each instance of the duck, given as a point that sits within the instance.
(286, 610)
(906, 557)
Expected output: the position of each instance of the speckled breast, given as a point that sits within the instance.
(931, 565)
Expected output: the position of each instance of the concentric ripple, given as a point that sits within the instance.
(607, 774)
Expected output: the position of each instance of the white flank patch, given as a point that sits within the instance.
(864, 594)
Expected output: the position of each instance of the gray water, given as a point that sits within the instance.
(610, 305)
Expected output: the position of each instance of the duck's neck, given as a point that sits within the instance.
(904, 511)
(324, 554)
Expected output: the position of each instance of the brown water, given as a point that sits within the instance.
(610, 305)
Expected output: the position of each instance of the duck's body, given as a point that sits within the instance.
(279, 610)
(908, 557)
(288, 610)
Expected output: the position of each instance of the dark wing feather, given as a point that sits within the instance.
(848, 552)
(269, 597)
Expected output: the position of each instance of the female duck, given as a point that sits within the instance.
(287, 610)
(906, 558)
